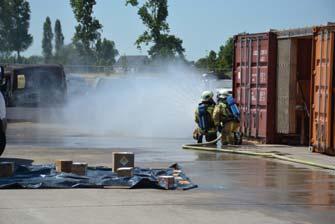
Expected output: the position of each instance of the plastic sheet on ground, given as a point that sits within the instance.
(45, 176)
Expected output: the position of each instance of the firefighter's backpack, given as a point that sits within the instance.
(233, 107)
(204, 117)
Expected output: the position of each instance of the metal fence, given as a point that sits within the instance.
(88, 69)
(77, 68)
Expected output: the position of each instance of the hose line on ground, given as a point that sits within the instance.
(202, 147)
(206, 143)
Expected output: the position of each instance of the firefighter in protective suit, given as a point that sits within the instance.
(225, 121)
(204, 118)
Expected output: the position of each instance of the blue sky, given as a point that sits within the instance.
(203, 25)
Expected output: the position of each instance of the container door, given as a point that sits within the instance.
(246, 82)
(333, 107)
(286, 86)
(245, 74)
(322, 107)
(333, 94)
(242, 80)
(251, 83)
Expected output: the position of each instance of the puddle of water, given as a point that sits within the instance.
(243, 178)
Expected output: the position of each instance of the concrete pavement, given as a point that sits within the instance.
(137, 206)
(232, 188)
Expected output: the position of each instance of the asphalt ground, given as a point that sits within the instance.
(232, 188)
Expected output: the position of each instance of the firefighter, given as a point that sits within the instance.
(226, 118)
(204, 118)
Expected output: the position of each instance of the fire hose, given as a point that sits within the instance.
(206, 143)
(232, 149)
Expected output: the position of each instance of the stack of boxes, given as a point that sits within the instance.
(123, 166)
(79, 169)
(123, 163)
(6, 169)
(63, 166)
(67, 166)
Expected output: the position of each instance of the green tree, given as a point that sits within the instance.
(225, 55)
(212, 61)
(106, 52)
(18, 31)
(88, 28)
(47, 40)
(5, 24)
(59, 38)
(202, 63)
(68, 55)
(34, 59)
(220, 62)
(153, 14)
(208, 63)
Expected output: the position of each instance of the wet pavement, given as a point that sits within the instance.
(232, 188)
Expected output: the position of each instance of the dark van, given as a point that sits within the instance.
(35, 85)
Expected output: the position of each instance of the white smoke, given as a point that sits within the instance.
(140, 105)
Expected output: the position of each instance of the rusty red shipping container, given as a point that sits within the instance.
(294, 63)
(271, 83)
(322, 124)
(254, 84)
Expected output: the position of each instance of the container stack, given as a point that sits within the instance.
(283, 83)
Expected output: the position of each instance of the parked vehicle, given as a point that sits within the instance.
(76, 86)
(34, 92)
(3, 120)
(35, 85)
(115, 84)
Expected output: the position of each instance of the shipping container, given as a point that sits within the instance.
(271, 84)
(294, 63)
(254, 84)
(333, 106)
(322, 89)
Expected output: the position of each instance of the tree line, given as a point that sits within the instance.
(14, 26)
(87, 46)
(220, 62)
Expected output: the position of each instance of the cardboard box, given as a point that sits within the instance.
(63, 166)
(166, 182)
(6, 169)
(125, 172)
(123, 159)
(176, 173)
(79, 168)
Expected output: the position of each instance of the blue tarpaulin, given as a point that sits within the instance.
(45, 176)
